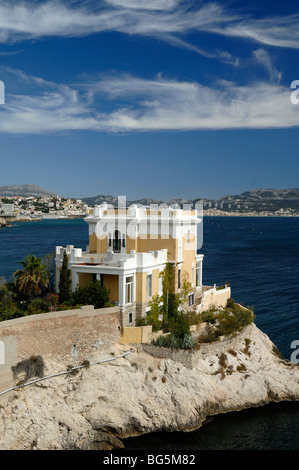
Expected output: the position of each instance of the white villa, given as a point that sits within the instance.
(128, 249)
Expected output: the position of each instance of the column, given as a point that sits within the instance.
(122, 289)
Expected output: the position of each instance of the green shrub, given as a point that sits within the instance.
(174, 342)
(9, 307)
(243, 316)
(208, 317)
(91, 294)
(37, 306)
(180, 325)
(227, 323)
(141, 321)
(230, 303)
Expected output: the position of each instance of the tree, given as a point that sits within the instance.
(172, 303)
(92, 294)
(8, 305)
(33, 278)
(169, 303)
(65, 281)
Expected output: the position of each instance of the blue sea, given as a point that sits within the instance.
(259, 257)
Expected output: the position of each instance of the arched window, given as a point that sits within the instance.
(116, 241)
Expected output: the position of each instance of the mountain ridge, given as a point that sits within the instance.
(256, 200)
(24, 190)
(260, 199)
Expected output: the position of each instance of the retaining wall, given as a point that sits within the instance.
(68, 337)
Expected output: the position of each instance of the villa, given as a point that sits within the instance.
(129, 248)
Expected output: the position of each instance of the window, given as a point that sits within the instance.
(124, 241)
(129, 289)
(116, 242)
(179, 279)
(109, 239)
(191, 299)
(149, 281)
(130, 317)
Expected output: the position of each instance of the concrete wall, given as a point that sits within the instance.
(67, 337)
(136, 334)
(214, 298)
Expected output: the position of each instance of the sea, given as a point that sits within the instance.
(259, 257)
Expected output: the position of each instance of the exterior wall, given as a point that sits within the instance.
(136, 335)
(140, 310)
(67, 337)
(156, 276)
(129, 309)
(131, 244)
(214, 298)
(84, 279)
(111, 282)
(146, 243)
(141, 287)
(96, 244)
(189, 260)
(92, 243)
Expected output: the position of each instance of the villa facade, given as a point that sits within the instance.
(129, 248)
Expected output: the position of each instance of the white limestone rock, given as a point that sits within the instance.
(141, 393)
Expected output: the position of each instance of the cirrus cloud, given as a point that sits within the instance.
(130, 104)
(21, 20)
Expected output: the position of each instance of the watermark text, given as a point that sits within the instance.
(295, 354)
(294, 98)
(2, 92)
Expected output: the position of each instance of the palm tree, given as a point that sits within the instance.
(33, 278)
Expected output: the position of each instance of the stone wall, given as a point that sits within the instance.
(65, 337)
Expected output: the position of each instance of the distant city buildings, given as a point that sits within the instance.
(47, 207)
(42, 207)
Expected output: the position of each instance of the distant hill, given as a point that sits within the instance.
(255, 200)
(25, 190)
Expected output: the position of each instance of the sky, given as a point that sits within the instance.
(153, 99)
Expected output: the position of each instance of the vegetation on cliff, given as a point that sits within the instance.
(32, 292)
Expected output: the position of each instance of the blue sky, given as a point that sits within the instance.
(158, 99)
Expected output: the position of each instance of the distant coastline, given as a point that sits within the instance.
(219, 213)
(5, 222)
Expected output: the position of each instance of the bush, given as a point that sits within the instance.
(91, 294)
(230, 303)
(37, 306)
(227, 323)
(9, 308)
(174, 342)
(180, 325)
(208, 317)
(141, 321)
(243, 316)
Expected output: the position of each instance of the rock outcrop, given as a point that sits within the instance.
(103, 404)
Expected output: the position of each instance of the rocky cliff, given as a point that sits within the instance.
(146, 391)
(2, 222)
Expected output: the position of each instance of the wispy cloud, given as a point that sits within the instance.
(128, 103)
(264, 58)
(166, 19)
